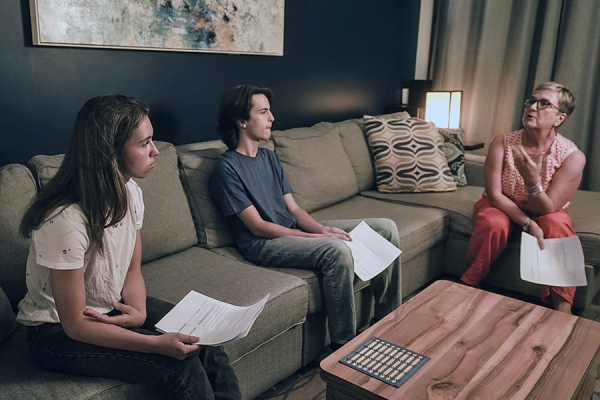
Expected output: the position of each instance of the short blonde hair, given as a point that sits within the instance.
(566, 100)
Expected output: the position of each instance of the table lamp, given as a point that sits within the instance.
(443, 108)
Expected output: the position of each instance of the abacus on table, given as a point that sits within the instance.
(385, 361)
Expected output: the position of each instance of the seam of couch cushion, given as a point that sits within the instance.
(266, 341)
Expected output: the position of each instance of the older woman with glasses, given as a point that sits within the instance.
(529, 177)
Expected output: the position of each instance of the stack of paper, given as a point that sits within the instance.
(213, 321)
(561, 263)
(371, 252)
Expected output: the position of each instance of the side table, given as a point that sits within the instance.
(473, 145)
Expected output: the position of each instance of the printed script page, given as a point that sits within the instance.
(559, 264)
(371, 252)
(214, 321)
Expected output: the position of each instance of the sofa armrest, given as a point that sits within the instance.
(474, 169)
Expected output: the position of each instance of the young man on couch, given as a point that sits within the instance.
(269, 227)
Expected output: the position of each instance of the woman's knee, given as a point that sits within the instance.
(491, 219)
(556, 225)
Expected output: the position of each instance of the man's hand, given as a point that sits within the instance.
(331, 231)
(129, 318)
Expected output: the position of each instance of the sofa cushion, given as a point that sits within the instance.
(195, 168)
(316, 165)
(168, 225)
(474, 169)
(408, 156)
(419, 228)
(356, 147)
(458, 204)
(233, 282)
(44, 167)
(17, 190)
(586, 221)
(8, 322)
(454, 150)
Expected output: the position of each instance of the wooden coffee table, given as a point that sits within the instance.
(481, 346)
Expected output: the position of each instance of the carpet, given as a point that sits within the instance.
(305, 384)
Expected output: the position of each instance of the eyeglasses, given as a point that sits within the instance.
(542, 103)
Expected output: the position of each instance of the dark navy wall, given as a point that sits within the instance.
(341, 59)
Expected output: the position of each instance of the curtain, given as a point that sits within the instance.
(498, 51)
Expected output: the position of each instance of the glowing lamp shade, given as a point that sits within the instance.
(443, 108)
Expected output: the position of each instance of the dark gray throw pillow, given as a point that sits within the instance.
(454, 150)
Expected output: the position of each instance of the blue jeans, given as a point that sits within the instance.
(334, 260)
(208, 376)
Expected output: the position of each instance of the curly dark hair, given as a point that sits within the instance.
(235, 106)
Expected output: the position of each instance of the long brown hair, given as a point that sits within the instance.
(89, 174)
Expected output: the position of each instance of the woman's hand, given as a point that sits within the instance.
(537, 232)
(129, 318)
(530, 170)
(176, 345)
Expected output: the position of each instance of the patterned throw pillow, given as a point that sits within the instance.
(408, 156)
(454, 150)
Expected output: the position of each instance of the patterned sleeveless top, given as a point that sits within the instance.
(513, 185)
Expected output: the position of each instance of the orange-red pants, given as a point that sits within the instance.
(491, 230)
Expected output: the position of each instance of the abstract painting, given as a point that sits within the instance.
(225, 26)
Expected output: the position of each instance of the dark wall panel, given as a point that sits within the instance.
(341, 59)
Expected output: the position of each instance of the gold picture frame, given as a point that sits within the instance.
(212, 26)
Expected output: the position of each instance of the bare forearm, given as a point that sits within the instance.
(134, 293)
(542, 204)
(89, 330)
(306, 222)
(509, 207)
(134, 287)
(270, 230)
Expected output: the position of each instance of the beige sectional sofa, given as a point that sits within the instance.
(186, 245)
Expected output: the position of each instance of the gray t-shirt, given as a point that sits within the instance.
(239, 181)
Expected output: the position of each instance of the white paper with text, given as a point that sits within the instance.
(559, 264)
(213, 321)
(371, 252)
